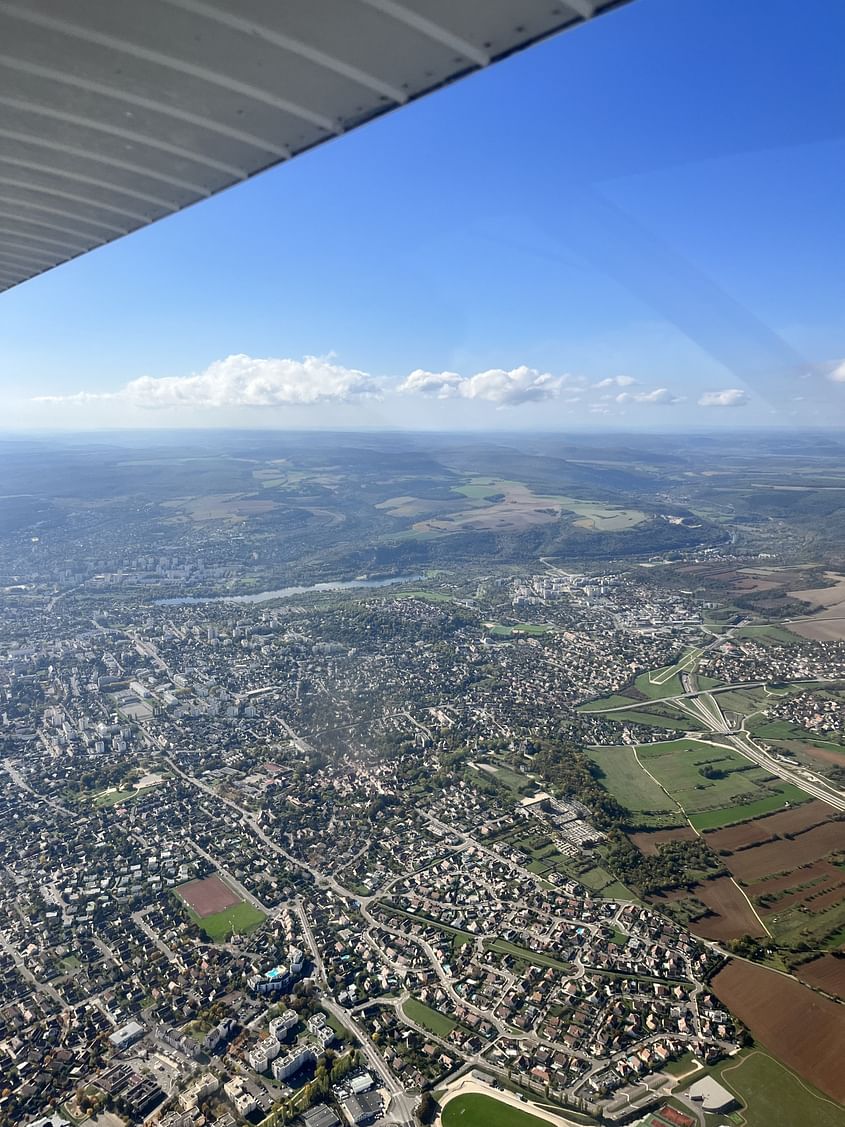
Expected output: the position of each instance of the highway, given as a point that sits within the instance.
(703, 706)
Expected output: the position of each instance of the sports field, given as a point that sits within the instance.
(474, 1110)
(240, 919)
(218, 909)
(205, 897)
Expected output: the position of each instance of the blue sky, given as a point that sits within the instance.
(635, 224)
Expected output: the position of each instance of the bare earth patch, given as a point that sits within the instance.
(826, 973)
(790, 821)
(731, 915)
(828, 624)
(787, 855)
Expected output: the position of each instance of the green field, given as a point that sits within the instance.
(602, 703)
(773, 1096)
(474, 1110)
(113, 797)
(526, 955)
(426, 596)
(745, 791)
(728, 816)
(768, 633)
(480, 488)
(240, 919)
(625, 779)
(432, 1020)
(656, 720)
(501, 631)
(677, 765)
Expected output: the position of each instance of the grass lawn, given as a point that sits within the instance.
(656, 720)
(426, 596)
(612, 701)
(768, 633)
(474, 1110)
(439, 1024)
(773, 1096)
(240, 919)
(627, 781)
(500, 631)
(526, 955)
(113, 797)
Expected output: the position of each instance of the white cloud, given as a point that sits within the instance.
(443, 385)
(243, 381)
(838, 373)
(503, 388)
(727, 397)
(616, 381)
(659, 396)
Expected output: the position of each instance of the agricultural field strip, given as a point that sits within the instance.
(698, 834)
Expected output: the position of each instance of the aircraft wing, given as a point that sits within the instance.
(115, 113)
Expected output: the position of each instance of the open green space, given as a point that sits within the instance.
(603, 703)
(534, 628)
(656, 720)
(627, 781)
(784, 793)
(773, 1096)
(742, 701)
(426, 596)
(681, 766)
(240, 919)
(471, 1109)
(432, 1020)
(481, 488)
(678, 766)
(768, 633)
(659, 683)
(525, 954)
(113, 797)
(737, 792)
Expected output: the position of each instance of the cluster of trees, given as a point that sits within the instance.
(670, 868)
(569, 772)
(103, 775)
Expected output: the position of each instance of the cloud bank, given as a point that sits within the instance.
(497, 386)
(728, 397)
(659, 396)
(244, 381)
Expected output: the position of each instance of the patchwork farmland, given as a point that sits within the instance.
(803, 1029)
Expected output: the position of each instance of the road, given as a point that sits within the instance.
(704, 707)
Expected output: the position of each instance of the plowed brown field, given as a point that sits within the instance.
(787, 822)
(732, 916)
(801, 1028)
(827, 973)
(787, 854)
